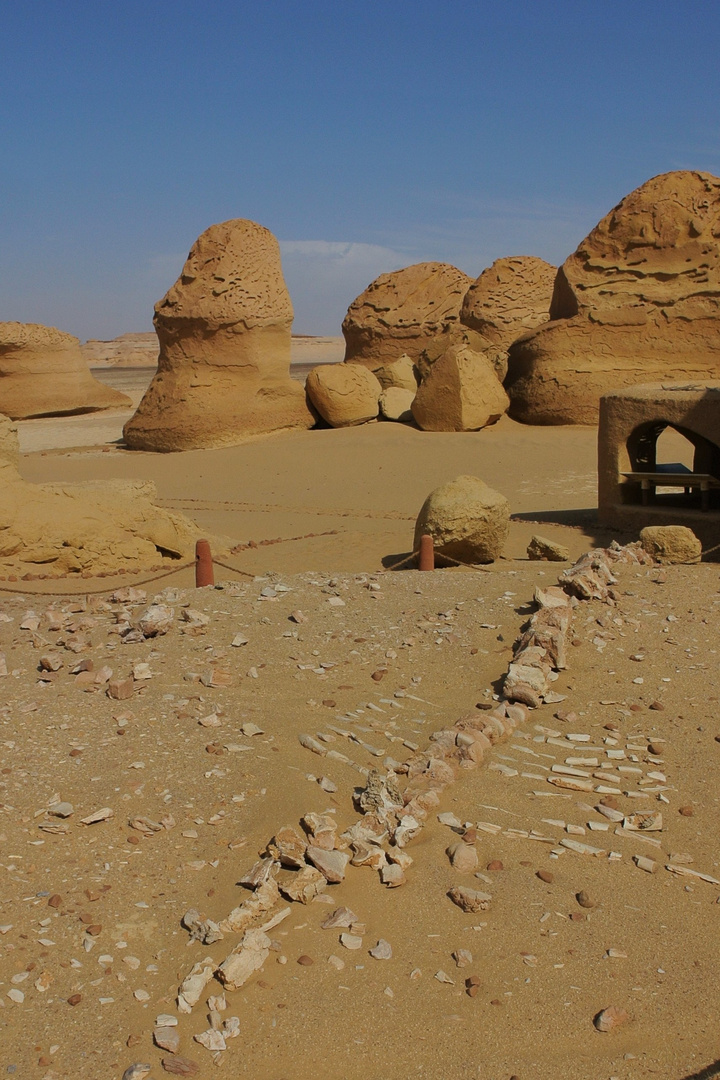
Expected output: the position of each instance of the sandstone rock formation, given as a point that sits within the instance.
(43, 373)
(639, 301)
(400, 312)
(396, 404)
(103, 527)
(671, 543)
(399, 373)
(224, 333)
(344, 395)
(509, 298)
(461, 392)
(466, 519)
(128, 350)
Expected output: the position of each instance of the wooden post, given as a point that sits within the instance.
(203, 565)
(427, 553)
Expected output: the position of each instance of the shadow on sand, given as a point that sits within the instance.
(585, 520)
(705, 1074)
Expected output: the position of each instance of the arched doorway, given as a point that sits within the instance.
(673, 466)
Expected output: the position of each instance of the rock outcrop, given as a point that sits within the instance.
(224, 334)
(509, 298)
(97, 527)
(467, 520)
(400, 312)
(639, 301)
(128, 350)
(461, 392)
(344, 395)
(43, 373)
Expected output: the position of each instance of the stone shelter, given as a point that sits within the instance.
(636, 487)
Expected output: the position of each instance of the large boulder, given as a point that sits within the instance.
(224, 333)
(461, 392)
(400, 312)
(509, 298)
(671, 543)
(344, 394)
(639, 301)
(98, 527)
(467, 520)
(43, 373)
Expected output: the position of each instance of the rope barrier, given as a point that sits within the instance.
(98, 592)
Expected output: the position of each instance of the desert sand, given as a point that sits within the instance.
(91, 945)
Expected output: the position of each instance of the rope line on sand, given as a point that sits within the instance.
(438, 555)
(98, 592)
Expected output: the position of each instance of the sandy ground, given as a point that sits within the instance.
(92, 914)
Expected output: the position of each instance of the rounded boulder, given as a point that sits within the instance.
(671, 543)
(467, 520)
(344, 394)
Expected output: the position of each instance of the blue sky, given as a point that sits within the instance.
(365, 135)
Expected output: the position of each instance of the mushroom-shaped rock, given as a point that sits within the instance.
(639, 301)
(344, 394)
(396, 404)
(509, 298)
(461, 392)
(400, 312)
(224, 333)
(106, 526)
(466, 519)
(43, 373)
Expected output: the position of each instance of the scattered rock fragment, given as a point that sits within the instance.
(470, 900)
(610, 1018)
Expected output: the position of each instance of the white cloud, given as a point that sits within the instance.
(325, 276)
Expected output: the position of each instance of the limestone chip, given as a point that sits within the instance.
(400, 312)
(671, 543)
(343, 395)
(43, 373)
(461, 392)
(224, 334)
(637, 302)
(467, 520)
(540, 548)
(509, 298)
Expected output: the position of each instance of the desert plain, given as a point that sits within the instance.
(309, 631)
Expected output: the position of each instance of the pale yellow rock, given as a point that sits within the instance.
(224, 334)
(638, 302)
(461, 392)
(509, 298)
(399, 373)
(101, 526)
(671, 543)
(399, 313)
(344, 394)
(396, 404)
(466, 519)
(43, 373)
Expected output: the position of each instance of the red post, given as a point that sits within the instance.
(427, 553)
(203, 565)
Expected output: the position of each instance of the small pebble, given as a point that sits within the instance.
(545, 876)
(305, 961)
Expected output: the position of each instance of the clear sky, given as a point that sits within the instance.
(366, 134)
